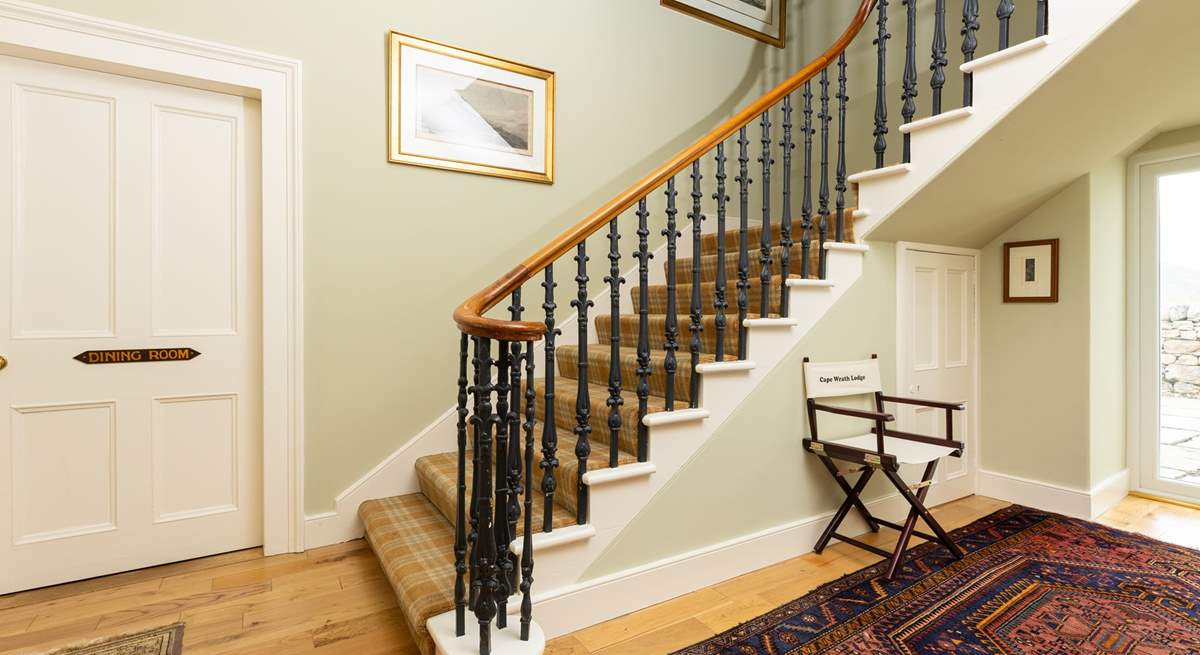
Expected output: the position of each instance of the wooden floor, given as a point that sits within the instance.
(336, 600)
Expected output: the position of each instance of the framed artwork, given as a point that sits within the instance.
(764, 20)
(464, 111)
(1031, 271)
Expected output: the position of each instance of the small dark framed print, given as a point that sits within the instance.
(1031, 271)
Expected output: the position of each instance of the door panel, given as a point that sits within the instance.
(129, 220)
(937, 354)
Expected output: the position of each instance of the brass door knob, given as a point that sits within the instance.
(3, 362)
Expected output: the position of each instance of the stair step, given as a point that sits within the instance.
(567, 477)
(708, 265)
(415, 547)
(598, 363)
(657, 296)
(657, 325)
(566, 390)
(708, 242)
(438, 477)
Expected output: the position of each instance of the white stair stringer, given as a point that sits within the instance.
(560, 560)
(1002, 81)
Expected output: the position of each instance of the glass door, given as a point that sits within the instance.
(1169, 449)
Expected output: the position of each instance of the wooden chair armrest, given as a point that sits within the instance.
(921, 438)
(856, 413)
(958, 407)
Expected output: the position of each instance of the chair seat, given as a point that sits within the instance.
(905, 451)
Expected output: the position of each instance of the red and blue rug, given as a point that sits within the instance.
(1032, 583)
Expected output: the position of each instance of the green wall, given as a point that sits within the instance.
(390, 250)
(753, 473)
(1053, 375)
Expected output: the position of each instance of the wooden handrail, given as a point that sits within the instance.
(469, 316)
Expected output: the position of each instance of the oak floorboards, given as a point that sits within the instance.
(336, 600)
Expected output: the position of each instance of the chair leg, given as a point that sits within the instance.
(846, 489)
(852, 500)
(919, 506)
(910, 523)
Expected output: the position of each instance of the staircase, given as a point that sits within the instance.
(565, 429)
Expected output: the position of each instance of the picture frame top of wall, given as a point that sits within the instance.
(1031, 271)
(465, 111)
(765, 20)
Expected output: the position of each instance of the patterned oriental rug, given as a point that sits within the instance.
(1032, 583)
(167, 640)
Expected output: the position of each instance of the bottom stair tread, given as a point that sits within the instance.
(415, 547)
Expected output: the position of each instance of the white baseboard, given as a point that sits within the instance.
(1079, 503)
(587, 603)
(1109, 492)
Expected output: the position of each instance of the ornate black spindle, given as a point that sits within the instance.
(806, 218)
(527, 540)
(909, 109)
(881, 114)
(1042, 23)
(1004, 12)
(938, 67)
(615, 401)
(840, 228)
(500, 522)
(743, 283)
(549, 463)
(583, 402)
(970, 34)
(785, 221)
(643, 350)
(764, 253)
(475, 582)
(696, 326)
(719, 302)
(460, 516)
(671, 332)
(514, 429)
(485, 422)
(823, 195)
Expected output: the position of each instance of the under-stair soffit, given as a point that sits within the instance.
(1128, 83)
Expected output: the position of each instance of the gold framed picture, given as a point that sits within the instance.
(765, 20)
(464, 111)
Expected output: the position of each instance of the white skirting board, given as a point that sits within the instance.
(1078, 503)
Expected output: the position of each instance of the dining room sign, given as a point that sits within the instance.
(135, 356)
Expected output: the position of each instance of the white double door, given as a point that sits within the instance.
(129, 221)
(937, 355)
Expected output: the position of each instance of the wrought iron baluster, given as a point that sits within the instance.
(764, 256)
(881, 115)
(643, 350)
(485, 422)
(785, 224)
(938, 80)
(500, 522)
(696, 326)
(474, 582)
(460, 515)
(909, 109)
(719, 302)
(527, 540)
(1004, 12)
(583, 402)
(743, 283)
(806, 218)
(614, 281)
(843, 99)
(1042, 23)
(549, 463)
(672, 327)
(970, 34)
(823, 194)
(515, 310)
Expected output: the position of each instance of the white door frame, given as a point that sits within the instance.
(903, 350)
(36, 32)
(1142, 329)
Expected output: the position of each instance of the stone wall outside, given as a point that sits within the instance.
(1181, 351)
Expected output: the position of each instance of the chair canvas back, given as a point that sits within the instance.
(831, 379)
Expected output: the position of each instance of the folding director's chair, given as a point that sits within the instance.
(882, 449)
